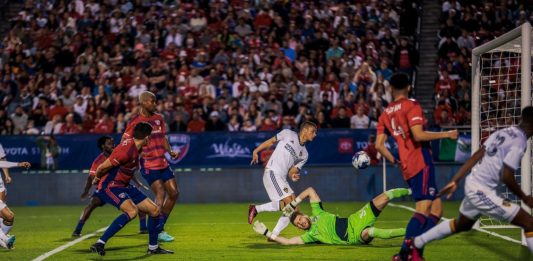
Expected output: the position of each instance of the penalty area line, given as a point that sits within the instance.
(475, 228)
(67, 245)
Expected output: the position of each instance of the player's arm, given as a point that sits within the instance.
(166, 144)
(261, 229)
(6, 172)
(382, 149)
(307, 193)
(103, 168)
(88, 185)
(265, 145)
(419, 134)
(9, 164)
(461, 173)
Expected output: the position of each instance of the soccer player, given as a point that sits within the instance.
(106, 145)
(497, 160)
(6, 174)
(327, 228)
(403, 119)
(287, 159)
(154, 166)
(6, 214)
(115, 189)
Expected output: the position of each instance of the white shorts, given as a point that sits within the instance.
(277, 187)
(480, 200)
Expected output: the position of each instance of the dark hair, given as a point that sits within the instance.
(294, 215)
(102, 140)
(142, 130)
(399, 81)
(527, 115)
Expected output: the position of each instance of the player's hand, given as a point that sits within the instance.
(260, 228)
(295, 177)
(84, 195)
(24, 164)
(528, 200)
(173, 154)
(453, 134)
(255, 158)
(8, 179)
(449, 189)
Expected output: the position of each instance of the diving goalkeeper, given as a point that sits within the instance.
(328, 228)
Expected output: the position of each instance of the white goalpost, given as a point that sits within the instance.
(501, 87)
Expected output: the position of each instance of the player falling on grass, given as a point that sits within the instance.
(3, 191)
(324, 227)
(287, 159)
(497, 160)
(6, 214)
(403, 119)
(115, 189)
(106, 145)
(154, 166)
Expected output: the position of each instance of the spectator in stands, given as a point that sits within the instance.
(405, 57)
(19, 119)
(342, 120)
(70, 127)
(359, 120)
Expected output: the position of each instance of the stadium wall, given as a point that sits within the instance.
(214, 185)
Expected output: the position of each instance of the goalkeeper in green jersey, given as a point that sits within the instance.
(328, 228)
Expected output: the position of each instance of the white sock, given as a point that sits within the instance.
(5, 228)
(3, 237)
(440, 231)
(151, 247)
(529, 241)
(100, 241)
(3, 244)
(268, 207)
(283, 222)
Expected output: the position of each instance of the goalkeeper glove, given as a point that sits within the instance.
(289, 209)
(260, 228)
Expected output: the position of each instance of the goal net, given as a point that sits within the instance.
(501, 86)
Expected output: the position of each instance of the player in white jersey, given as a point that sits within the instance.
(286, 160)
(496, 160)
(3, 191)
(6, 214)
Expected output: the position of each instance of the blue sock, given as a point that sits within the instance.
(117, 225)
(79, 227)
(414, 228)
(142, 222)
(153, 231)
(162, 220)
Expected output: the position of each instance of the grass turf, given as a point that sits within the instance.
(220, 231)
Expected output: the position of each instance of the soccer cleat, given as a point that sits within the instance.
(165, 237)
(252, 212)
(10, 242)
(158, 251)
(75, 234)
(414, 253)
(98, 248)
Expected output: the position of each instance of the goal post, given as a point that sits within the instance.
(501, 87)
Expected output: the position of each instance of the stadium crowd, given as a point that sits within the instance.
(465, 25)
(78, 66)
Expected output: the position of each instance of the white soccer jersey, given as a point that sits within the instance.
(506, 146)
(288, 153)
(2, 152)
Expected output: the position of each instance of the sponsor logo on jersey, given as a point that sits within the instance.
(286, 190)
(179, 143)
(122, 195)
(432, 191)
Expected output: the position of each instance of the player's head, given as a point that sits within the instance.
(400, 81)
(301, 221)
(142, 132)
(147, 101)
(106, 144)
(308, 130)
(526, 120)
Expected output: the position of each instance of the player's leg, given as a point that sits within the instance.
(5, 240)
(445, 229)
(274, 193)
(381, 201)
(8, 218)
(284, 221)
(525, 221)
(435, 214)
(86, 213)
(153, 211)
(171, 195)
(143, 228)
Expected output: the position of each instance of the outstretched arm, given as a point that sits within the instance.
(8, 164)
(465, 169)
(421, 135)
(307, 193)
(88, 185)
(261, 229)
(265, 145)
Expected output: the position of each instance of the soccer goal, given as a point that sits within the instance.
(501, 86)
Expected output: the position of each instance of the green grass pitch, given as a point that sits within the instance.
(221, 232)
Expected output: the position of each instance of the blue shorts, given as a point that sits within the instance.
(151, 175)
(423, 183)
(117, 195)
(96, 194)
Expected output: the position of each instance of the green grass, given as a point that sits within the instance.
(220, 231)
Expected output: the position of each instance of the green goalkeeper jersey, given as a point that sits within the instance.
(322, 227)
